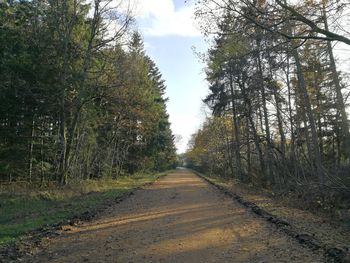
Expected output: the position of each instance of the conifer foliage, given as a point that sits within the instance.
(76, 103)
(279, 109)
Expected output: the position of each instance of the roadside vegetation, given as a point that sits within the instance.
(83, 114)
(23, 209)
(278, 98)
(80, 99)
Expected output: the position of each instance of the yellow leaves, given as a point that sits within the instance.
(210, 140)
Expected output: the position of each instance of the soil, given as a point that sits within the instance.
(180, 218)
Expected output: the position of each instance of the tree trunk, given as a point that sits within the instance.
(290, 110)
(66, 37)
(340, 100)
(249, 165)
(317, 162)
(271, 173)
(31, 147)
(248, 112)
(237, 144)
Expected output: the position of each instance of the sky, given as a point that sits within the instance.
(170, 34)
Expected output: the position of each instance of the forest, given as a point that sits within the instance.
(89, 165)
(80, 98)
(278, 98)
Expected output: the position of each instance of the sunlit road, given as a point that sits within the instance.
(180, 218)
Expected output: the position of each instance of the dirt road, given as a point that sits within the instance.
(180, 218)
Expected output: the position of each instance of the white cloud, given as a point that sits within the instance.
(161, 18)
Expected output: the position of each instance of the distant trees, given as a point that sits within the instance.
(273, 78)
(75, 103)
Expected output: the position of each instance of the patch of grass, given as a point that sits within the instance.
(20, 213)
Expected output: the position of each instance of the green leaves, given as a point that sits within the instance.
(71, 90)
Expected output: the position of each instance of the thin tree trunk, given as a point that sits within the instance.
(249, 165)
(278, 113)
(79, 102)
(248, 111)
(280, 125)
(317, 161)
(290, 110)
(340, 100)
(31, 147)
(62, 112)
(319, 121)
(42, 154)
(237, 144)
(266, 120)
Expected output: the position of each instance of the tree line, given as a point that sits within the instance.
(80, 99)
(278, 99)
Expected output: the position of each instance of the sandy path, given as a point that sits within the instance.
(181, 218)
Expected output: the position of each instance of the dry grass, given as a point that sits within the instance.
(23, 208)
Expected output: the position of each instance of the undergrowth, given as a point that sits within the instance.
(23, 209)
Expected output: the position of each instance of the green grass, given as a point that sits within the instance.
(20, 213)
